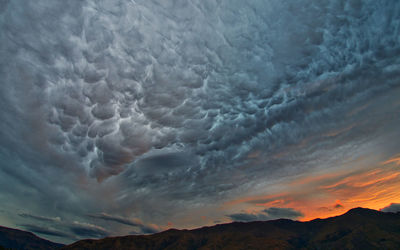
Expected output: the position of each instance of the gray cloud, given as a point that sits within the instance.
(157, 108)
(393, 208)
(67, 230)
(130, 222)
(331, 208)
(117, 219)
(271, 213)
(148, 229)
(46, 231)
(40, 218)
(87, 230)
(110, 103)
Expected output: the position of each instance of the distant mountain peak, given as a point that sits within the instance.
(362, 211)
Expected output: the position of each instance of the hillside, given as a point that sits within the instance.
(359, 228)
(18, 239)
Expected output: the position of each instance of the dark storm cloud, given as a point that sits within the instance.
(108, 103)
(393, 208)
(156, 107)
(271, 213)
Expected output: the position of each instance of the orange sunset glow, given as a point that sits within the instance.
(326, 195)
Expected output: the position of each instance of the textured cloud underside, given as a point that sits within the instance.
(113, 81)
(188, 98)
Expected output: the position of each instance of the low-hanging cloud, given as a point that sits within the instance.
(393, 208)
(46, 231)
(130, 222)
(88, 230)
(271, 213)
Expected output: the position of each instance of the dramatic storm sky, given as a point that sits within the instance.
(134, 116)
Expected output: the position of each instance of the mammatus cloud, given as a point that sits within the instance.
(154, 109)
(393, 208)
(112, 88)
(271, 213)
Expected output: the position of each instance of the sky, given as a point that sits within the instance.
(134, 116)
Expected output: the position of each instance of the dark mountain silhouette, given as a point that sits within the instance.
(18, 239)
(359, 228)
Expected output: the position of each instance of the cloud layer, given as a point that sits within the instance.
(271, 213)
(140, 109)
(393, 208)
(144, 229)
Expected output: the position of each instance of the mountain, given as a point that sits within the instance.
(359, 228)
(18, 239)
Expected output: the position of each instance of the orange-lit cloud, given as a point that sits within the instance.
(331, 194)
(395, 160)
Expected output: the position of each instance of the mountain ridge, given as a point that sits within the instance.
(359, 228)
(11, 238)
